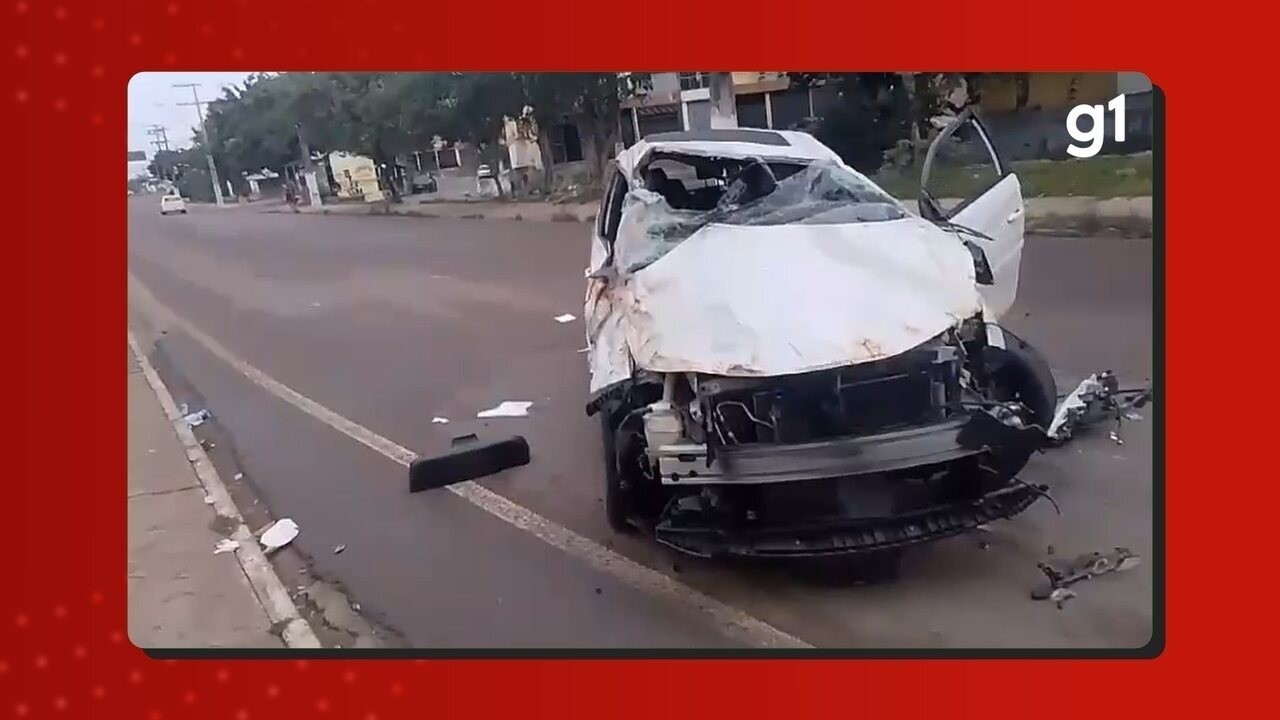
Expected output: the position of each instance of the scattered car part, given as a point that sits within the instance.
(1097, 398)
(469, 458)
(1083, 567)
(281, 533)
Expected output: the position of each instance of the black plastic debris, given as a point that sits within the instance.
(469, 458)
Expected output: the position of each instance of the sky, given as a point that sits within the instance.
(152, 99)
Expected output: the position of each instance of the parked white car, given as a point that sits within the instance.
(786, 361)
(173, 204)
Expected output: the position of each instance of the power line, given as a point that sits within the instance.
(160, 138)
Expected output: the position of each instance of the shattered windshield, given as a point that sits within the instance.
(670, 208)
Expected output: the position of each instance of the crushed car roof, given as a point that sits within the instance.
(731, 143)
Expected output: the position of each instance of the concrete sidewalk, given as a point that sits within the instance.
(181, 595)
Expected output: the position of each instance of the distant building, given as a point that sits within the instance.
(684, 101)
(1026, 112)
(138, 164)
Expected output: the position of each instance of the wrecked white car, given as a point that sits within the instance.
(786, 362)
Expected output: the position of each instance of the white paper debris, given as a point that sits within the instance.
(225, 545)
(1116, 438)
(507, 408)
(565, 318)
(338, 550)
(440, 420)
(196, 419)
(238, 476)
(280, 534)
(208, 499)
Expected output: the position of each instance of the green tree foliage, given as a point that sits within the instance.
(266, 121)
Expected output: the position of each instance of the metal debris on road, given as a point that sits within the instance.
(440, 420)
(565, 318)
(338, 550)
(507, 408)
(1061, 595)
(195, 419)
(1097, 398)
(1090, 565)
(1115, 438)
(281, 533)
(225, 545)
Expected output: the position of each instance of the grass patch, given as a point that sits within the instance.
(1106, 176)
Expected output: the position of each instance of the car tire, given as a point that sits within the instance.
(184, 212)
(617, 500)
(1019, 372)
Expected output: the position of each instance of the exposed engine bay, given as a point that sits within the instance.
(870, 456)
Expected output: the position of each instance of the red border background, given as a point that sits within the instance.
(63, 647)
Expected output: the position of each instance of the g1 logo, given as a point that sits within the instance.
(1097, 131)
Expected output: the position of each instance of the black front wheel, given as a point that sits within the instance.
(617, 498)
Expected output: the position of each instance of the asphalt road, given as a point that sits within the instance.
(390, 321)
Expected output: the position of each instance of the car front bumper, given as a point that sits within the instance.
(847, 535)
(852, 494)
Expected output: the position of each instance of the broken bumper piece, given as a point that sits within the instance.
(690, 534)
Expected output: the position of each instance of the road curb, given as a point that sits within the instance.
(267, 586)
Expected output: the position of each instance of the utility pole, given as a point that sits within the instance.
(159, 139)
(208, 145)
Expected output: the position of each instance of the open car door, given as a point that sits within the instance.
(991, 218)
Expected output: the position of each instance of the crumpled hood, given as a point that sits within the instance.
(778, 300)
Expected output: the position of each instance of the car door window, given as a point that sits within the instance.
(962, 164)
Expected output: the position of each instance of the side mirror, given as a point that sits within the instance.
(981, 268)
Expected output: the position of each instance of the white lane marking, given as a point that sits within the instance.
(263, 580)
(731, 621)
